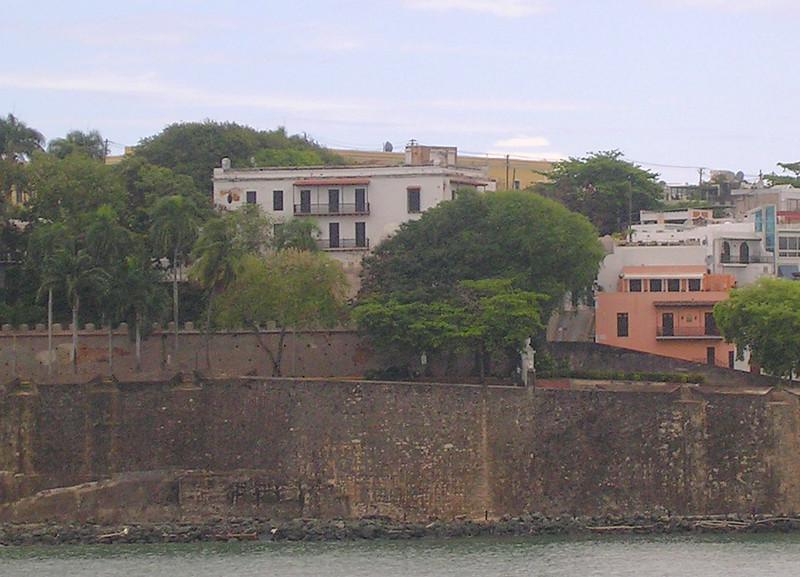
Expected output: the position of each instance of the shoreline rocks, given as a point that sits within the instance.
(382, 528)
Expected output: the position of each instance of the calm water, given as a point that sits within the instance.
(769, 555)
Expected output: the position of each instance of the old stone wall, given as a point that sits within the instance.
(284, 448)
(594, 356)
(24, 353)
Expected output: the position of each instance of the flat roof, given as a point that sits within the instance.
(689, 270)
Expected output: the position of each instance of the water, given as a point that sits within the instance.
(703, 556)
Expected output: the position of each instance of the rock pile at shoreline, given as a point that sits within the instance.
(383, 528)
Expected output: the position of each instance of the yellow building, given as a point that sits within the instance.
(507, 173)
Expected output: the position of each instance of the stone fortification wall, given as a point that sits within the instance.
(282, 448)
(23, 354)
(594, 356)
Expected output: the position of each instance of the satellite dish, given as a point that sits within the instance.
(387, 146)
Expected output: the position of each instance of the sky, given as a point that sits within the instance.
(674, 84)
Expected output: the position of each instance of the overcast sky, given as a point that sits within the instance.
(709, 83)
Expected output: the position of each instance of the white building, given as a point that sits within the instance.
(355, 207)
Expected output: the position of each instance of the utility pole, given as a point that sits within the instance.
(507, 172)
(105, 149)
(700, 171)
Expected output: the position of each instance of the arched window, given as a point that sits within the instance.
(726, 251)
(744, 253)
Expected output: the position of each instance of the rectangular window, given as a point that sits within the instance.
(731, 360)
(655, 285)
(361, 200)
(516, 185)
(635, 285)
(622, 324)
(674, 285)
(277, 200)
(694, 285)
(251, 197)
(361, 234)
(333, 235)
(414, 204)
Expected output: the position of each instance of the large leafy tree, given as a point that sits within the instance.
(294, 289)
(89, 143)
(173, 229)
(536, 242)
(195, 148)
(486, 317)
(298, 233)
(605, 188)
(146, 183)
(764, 318)
(71, 189)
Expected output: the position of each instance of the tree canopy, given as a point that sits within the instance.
(536, 242)
(195, 148)
(291, 288)
(605, 188)
(764, 318)
(89, 143)
(480, 273)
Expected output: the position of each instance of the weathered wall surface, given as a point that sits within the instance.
(337, 353)
(594, 356)
(23, 354)
(290, 448)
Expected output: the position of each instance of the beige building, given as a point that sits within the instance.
(354, 206)
(506, 173)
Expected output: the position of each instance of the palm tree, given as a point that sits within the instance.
(44, 241)
(144, 295)
(173, 228)
(107, 242)
(17, 141)
(73, 269)
(215, 258)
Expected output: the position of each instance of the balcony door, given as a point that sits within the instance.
(333, 200)
(361, 200)
(333, 235)
(305, 201)
(710, 325)
(668, 325)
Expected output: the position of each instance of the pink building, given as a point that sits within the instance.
(666, 310)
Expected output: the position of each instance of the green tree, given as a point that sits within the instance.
(146, 183)
(486, 317)
(18, 141)
(764, 318)
(605, 188)
(294, 289)
(145, 296)
(173, 230)
(536, 242)
(89, 143)
(107, 242)
(793, 178)
(71, 189)
(496, 317)
(195, 148)
(298, 233)
(72, 270)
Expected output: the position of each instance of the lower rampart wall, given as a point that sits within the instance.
(290, 448)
